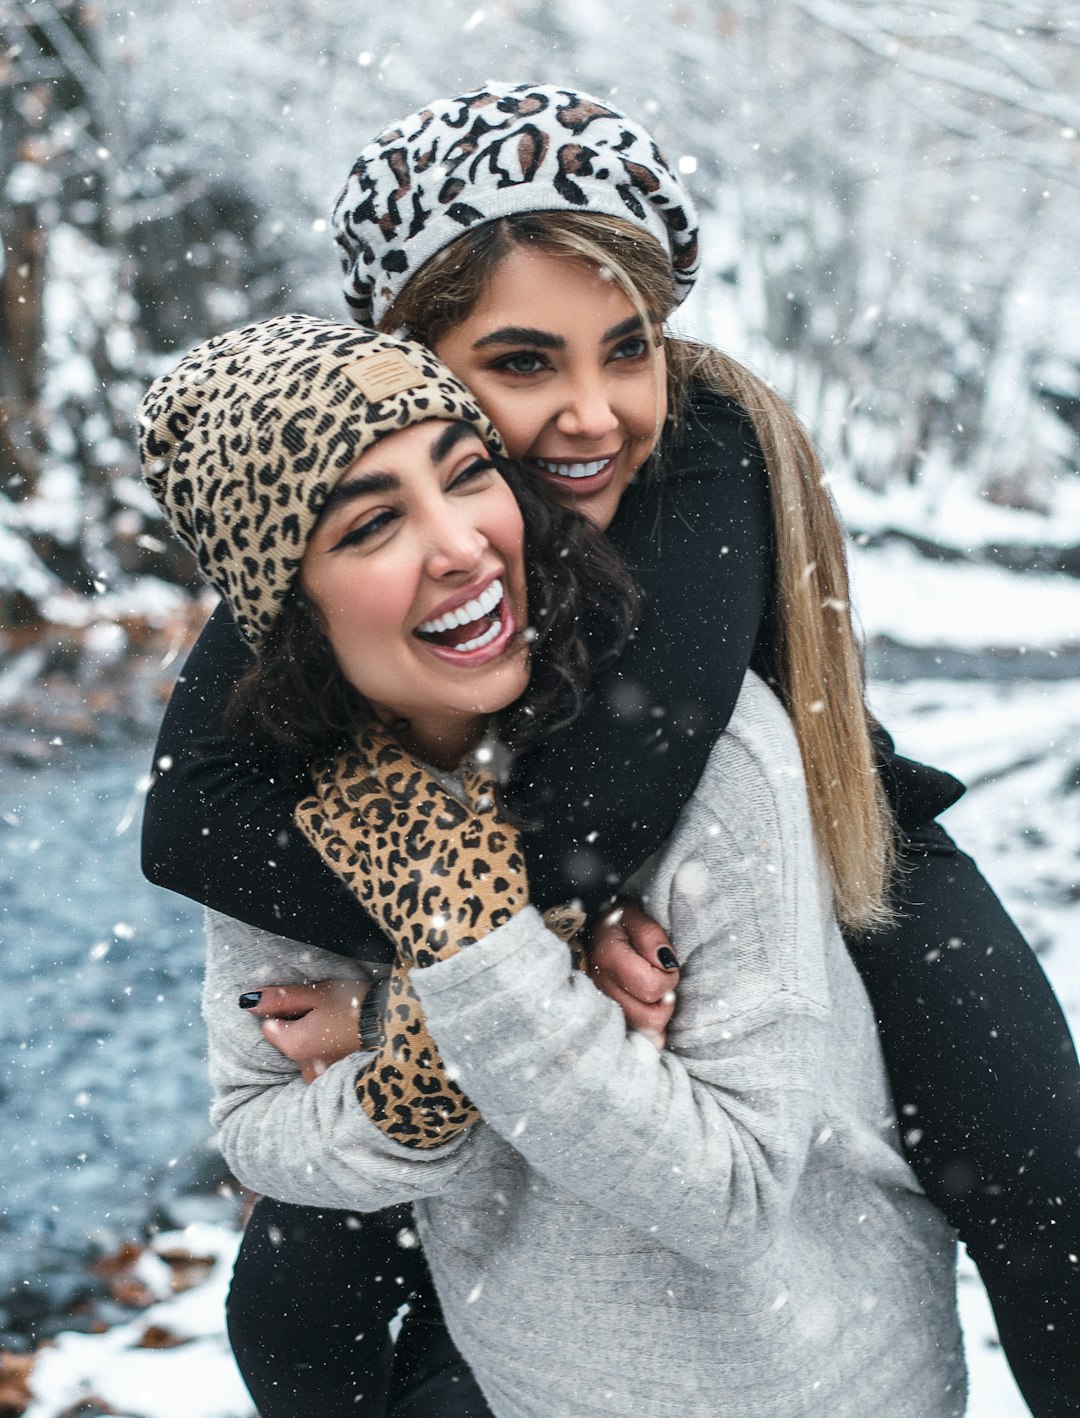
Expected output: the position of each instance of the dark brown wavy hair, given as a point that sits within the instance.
(582, 608)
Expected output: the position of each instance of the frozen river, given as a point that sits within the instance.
(102, 1093)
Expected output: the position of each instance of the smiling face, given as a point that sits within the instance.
(557, 358)
(416, 569)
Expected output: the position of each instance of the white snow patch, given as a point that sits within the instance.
(902, 595)
(943, 507)
(197, 1379)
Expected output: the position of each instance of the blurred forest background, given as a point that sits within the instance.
(891, 193)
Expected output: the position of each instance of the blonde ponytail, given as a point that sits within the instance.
(819, 663)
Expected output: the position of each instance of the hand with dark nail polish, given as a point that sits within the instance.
(632, 962)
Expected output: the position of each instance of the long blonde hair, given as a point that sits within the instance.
(819, 663)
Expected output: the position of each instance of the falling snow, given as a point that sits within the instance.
(906, 275)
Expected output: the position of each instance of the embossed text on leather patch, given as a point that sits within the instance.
(379, 376)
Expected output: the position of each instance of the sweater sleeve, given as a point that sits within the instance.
(311, 1144)
(700, 1147)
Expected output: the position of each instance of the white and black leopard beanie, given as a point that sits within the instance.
(243, 441)
(498, 151)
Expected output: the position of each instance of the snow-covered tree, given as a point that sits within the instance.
(890, 193)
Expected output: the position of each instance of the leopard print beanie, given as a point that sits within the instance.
(241, 443)
(501, 150)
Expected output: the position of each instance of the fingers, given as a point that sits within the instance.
(627, 974)
(376, 780)
(647, 937)
(289, 1039)
(651, 1019)
(347, 790)
(392, 769)
(314, 816)
(625, 950)
(280, 1001)
(346, 786)
(619, 970)
(312, 1024)
(312, 1037)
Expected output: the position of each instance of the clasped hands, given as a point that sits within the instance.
(437, 872)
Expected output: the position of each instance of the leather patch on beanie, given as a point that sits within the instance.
(382, 375)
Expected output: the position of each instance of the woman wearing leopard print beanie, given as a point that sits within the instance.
(347, 498)
(484, 226)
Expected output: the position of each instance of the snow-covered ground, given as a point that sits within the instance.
(192, 1376)
(919, 602)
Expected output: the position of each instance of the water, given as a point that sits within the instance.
(103, 1094)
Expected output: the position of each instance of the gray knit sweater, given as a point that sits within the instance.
(726, 1228)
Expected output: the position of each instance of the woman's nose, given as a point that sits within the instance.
(456, 545)
(587, 412)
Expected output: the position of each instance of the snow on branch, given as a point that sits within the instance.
(904, 48)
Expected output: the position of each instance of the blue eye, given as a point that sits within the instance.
(633, 348)
(523, 362)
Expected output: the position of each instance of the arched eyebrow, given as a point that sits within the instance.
(545, 340)
(450, 437)
(521, 335)
(368, 484)
(630, 326)
(375, 483)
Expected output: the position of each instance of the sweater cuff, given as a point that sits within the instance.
(495, 952)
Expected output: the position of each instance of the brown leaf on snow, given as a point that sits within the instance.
(156, 1336)
(91, 1407)
(123, 1258)
(117, 1270)
(126, 1290)
(188, 1269)
(15, 1395)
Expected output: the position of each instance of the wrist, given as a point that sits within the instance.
(371, 1012)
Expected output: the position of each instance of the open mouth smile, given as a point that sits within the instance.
(578, 477)
(574, 470)
(485, 622)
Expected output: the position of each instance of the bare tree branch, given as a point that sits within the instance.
(904, 51)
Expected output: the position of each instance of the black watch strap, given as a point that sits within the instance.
(371, 1012)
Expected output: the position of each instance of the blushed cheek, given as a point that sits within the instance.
(506, 529)
(364, 628)
(522, 437)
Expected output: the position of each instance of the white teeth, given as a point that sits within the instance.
(463, 615)
(574, 470)
(485, 639)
